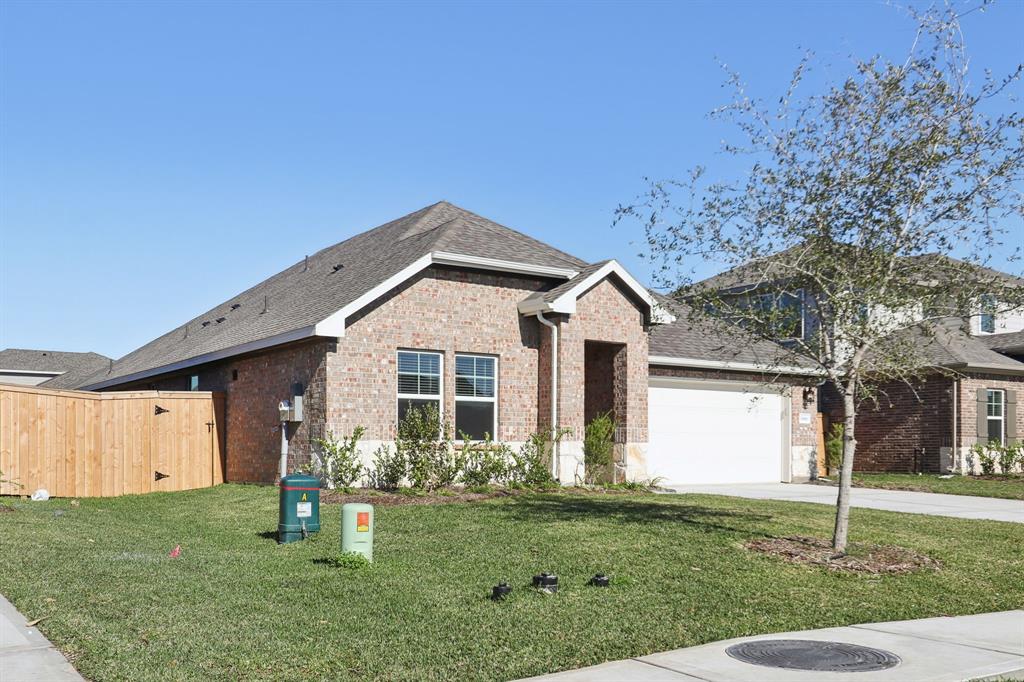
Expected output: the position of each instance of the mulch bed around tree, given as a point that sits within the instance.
(870, 559)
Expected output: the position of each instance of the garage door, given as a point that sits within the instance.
(714, 433)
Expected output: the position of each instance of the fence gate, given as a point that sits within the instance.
(84, 444)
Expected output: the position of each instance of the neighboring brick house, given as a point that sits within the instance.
(49, 368)
(968, 395)
(931, 424)
(443, 306)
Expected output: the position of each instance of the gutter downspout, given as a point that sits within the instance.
(954, 459)
(554, 389)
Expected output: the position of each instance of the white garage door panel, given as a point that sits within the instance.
(712, 434)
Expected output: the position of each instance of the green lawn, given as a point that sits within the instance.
(1009, 487)
(236, 605)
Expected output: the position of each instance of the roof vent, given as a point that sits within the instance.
(337, 267)
(220, 319)
(206, 323)
(236, 306)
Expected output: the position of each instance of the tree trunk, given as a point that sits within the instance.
(846, 470)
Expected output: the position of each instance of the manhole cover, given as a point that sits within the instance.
(802, 654)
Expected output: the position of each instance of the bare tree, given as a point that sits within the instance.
(855, 202)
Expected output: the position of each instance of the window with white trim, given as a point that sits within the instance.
(476, 391)
(419, 381)
(987, 323)
(996, 411)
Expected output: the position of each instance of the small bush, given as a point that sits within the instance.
(986, 456)
(389, 468)
(339, 463)
(598, 447)
(834, 446)
(484, 462)
(425, 442)
(531, 466)
(1009, 457)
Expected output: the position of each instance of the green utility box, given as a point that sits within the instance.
(357, 529)
(299, 509)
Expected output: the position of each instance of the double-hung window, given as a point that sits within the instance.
(476, 390)
(996, 410)
(987, 323)
(419, 381)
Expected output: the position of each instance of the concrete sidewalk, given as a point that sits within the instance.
(25, 655)
(985, 646)
(956, 506)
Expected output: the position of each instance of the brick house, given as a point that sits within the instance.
(969, 395)
(505, 334)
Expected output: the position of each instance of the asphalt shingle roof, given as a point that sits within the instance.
(74, 367)
(313, 289)
(948, 344)
(1011, 342)
(702, 340)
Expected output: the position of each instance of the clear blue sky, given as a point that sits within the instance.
(156, 158)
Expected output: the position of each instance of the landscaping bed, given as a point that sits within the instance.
(991, 485)
(234, 604)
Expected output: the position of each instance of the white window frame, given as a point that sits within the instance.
(477, 399)
(1001, 418)
(193, 382)
(987, 301)
(422, 396)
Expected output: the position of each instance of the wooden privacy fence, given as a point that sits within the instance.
(81, 444)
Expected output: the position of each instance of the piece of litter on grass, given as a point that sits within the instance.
(176, 552)
(32, 623)
(946, 476)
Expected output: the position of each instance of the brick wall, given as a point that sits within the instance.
(967, 428)
(607, 314)
(445, 310)
(906, 430)
(254, 385)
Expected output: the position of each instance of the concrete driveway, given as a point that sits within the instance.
(957, 506)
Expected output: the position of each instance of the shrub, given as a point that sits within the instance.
(531, 466)
(389, 468)
(598, 446)
(425, 443)
(1009, 457)
(834, 446)
(484, 462)
(986, 457)
(339, 463)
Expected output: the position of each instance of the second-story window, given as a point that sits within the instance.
(988, 315)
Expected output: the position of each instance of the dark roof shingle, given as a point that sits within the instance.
(313, 289)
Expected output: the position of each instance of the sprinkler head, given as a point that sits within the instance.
(500, 591)
(546, 582)
(600, 580)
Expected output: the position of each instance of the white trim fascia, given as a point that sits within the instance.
(566, 302)
(259, 344)
(665, 360)
(460, 260)
(47, 372)
(334, 325)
